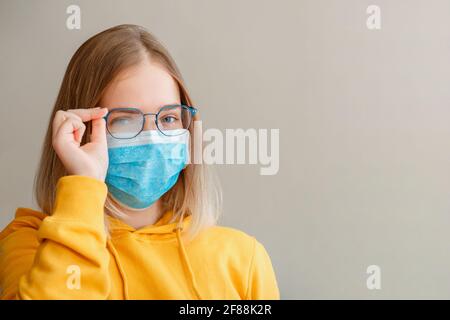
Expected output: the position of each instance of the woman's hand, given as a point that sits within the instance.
(91, 159)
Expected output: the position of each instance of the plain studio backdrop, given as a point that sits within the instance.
(364, 120)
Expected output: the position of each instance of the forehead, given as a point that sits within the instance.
(146, 86)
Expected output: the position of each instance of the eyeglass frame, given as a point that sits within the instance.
(191, 109)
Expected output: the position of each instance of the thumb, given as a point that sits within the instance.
(98, 133)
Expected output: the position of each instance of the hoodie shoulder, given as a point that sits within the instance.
(247, 260)
(24, 218)
(230, 233)
(227, 239)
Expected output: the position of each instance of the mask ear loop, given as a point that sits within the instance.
(188, 148)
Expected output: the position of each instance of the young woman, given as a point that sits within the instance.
(124, 213)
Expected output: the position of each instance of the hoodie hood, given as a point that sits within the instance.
(165, 227)
(162, 228)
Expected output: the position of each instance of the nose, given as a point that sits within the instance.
(149, 123)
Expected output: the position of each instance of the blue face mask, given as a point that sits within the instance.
(145, 167)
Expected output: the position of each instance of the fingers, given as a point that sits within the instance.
(60, 117)
(78, 134)
(89, 114)
(79, 116)
(71, 129)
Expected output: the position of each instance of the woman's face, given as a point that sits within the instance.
(146, 86)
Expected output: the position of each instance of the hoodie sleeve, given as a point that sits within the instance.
(66, 257)
(262, 280)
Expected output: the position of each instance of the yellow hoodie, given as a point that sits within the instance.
(68, 256)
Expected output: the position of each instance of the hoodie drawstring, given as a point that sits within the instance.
(119, 266)
(177, 230)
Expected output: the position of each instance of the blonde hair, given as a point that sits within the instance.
(93, 66)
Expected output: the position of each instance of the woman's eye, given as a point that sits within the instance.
(169, 119)
(119, 121)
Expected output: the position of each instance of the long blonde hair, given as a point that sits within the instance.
(93, 66)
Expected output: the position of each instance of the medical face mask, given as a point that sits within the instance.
(143, 168)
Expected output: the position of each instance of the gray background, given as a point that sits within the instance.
(363, 116)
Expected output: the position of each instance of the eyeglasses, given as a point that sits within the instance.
(127, 123)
